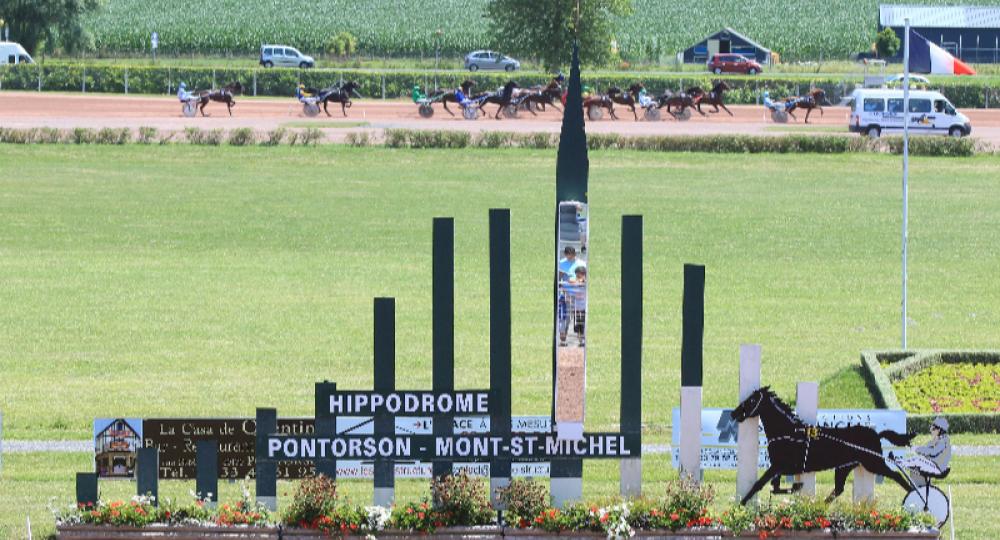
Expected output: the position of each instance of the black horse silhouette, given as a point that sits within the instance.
(540, 97)
(796, 447)
(337, 94)
(681, 100)
(813, 100)
(629, 98)
(503, 98)
(224, 95)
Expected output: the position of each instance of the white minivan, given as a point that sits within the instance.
(880, 110)
(14, 53)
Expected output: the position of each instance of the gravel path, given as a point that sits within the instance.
(23, 447)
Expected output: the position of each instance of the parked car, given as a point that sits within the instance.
(284, 56)
(878, 110)
(14, 53)
(733, 63)
(918, 82)
(477, 60)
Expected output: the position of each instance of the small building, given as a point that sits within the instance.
(726, 40)
(115, 449)
(971, 34)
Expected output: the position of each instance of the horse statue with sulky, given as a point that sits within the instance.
(796, 447)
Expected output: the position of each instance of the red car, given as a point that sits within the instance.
(733, 63)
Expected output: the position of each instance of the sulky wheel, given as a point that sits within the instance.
(652, 114)
(930, 500)
(780, 117)
(594, 113)
(425, 110)
(190, 109)
(471, 112)
(684, 115)
(310, 109)
(510, 111)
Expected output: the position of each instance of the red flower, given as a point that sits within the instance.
(552, 513)
(604, 518)
(674, 516)
(420, 515)
(808, 523)
(523, 523)
(409, 510)
(762, 535)
(539, 519)
(354, 526)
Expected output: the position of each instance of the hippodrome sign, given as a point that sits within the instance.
(464, 447)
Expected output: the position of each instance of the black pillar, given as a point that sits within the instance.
(207, 469)
(326, 426)
(266, 470)
(694, 325)
(500, 334)
(631, 286)
(385, 381)
(147, 470)
(443, 358)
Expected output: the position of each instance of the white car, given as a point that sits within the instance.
(284, 56)
(14, 53)
(879, 110)
(477, 60)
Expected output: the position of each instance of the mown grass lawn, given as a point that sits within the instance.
(188, 281)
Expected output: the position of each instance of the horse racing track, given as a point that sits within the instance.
(29, 109)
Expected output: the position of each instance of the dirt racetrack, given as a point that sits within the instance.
(64, 110)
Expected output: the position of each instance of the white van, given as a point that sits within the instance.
(13, 53)
(880, 110)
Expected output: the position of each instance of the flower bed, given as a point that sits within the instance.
(962, 386)
(463, 510)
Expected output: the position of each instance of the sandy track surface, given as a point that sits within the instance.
(31, 109)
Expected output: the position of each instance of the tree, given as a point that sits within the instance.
(886, 43)
(546, 30)
(52, 23)
(343, 44)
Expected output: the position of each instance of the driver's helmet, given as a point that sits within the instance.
(560, 77)
(182, 86)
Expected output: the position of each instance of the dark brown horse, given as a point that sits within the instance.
(629, 99)
(223, 95)
(339, 94)
(813, 100)
(681, 101)
(446, 97)
(503, 98)
(541, 97)
(714, 97)
(606, 102)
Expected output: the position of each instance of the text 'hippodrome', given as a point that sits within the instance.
(410, 403)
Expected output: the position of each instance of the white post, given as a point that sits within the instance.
(906, 160)
(864, 485)
(807, 407)
(748, 438)
(690, 452)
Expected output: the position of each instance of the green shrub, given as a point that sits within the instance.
(495, 139)
(310, 136)
(82, 136)
(147, 134)
(524, 499)
(462, 499)
(359, 138)
(315, 497)
(242, 137)
(274, 137)
(114, 135)
(194, 134)
(213, 137)
(49, 135)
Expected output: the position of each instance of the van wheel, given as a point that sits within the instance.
(874, 132)
(753, 71)
(956, 132)
(304, 65)
(269, 64)
(718, 71)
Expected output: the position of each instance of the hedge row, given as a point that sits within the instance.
(151, 135)
(744, 144)
(902, 364)
(965, 92)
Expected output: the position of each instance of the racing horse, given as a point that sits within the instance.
(796, 447)
(714, 97)
(504, 98)
(446, 97)
(541, 97)
(813, 100)
(223, 95)
(629, 98)
(339, 94)
(680, 100)
(606, 101)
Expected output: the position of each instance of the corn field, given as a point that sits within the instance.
(657, 30)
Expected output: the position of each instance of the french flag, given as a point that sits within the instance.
(926, 57)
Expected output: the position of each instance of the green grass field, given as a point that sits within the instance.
(193, 281)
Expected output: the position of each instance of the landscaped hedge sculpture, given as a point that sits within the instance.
(967, 396)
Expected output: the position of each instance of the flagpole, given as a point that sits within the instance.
(906, 160)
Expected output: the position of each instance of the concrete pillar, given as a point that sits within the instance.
(807, 407)
(748, 440)
(690, 452)
(565, 490)
(864, 485)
